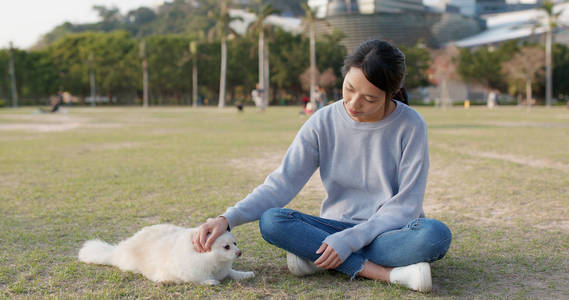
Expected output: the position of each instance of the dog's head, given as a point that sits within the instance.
(225, 247)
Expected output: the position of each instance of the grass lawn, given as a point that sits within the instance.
(499, 179)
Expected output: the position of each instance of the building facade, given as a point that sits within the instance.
(402, 22)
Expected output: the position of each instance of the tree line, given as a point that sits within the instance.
(112, 63)
(115, 60)
(516, 68)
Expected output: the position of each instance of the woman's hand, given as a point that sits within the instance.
(329, 258)
(208, 232)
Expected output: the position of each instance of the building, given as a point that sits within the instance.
(326, 7)
(402, 22)
(526, 24)
(477, 8)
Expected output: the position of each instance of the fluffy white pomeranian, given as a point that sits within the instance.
(165, 253)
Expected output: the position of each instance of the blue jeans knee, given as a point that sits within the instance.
(434, 236)
(270, 223)
(421, 240)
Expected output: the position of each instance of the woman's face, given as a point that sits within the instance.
(363, 101)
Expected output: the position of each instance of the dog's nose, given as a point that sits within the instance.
(239, 253)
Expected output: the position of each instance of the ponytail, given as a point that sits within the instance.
(402, 96)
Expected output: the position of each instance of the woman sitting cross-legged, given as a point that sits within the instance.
(372, 151)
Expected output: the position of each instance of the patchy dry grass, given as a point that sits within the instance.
(499, 179)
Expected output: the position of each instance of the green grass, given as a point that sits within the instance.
(499, 179)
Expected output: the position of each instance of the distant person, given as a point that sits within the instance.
(491, 102)
(372, 152)
(309, 109)
(320, 97)
(305, 100)
(239, 106)
(67, 98)
(56, 102)
(257, 96)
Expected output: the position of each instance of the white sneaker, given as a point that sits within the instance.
(299, 266)
(416, 277)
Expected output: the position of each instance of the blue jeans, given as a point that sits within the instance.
(422, 240)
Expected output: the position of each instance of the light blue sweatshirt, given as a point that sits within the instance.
(374, 173)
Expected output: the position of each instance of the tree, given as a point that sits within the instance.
(327, 79)
(550, 25)
(526, 66)
(289, 61)
(144, 59)
(115, 62)
(91, 69)
(309, 20)
(306, 78)
(169, 68)
(34, 72)
(418, 61)
(259, 27)
(108, 15)
(330, 55)
(444, 68)
(195, 55)
(141, 15)
(483, 66)
(222, 30)
(560, 70)
(13, 78)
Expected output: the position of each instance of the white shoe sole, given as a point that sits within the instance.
(299, 266)
(416, 277)
(425, 282)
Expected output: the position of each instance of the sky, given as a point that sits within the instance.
(24, 21)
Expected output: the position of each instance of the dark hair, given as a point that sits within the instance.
(383, 65)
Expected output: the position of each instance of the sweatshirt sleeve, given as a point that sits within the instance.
(404, 206)
(299, 163)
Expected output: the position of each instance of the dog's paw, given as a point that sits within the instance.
(247, 275)
(238, 275)
(210, 282)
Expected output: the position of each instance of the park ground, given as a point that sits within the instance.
(499, 179)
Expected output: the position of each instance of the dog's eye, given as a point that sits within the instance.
(235, 244)
(226, 247)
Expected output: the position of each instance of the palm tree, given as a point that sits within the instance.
(13, 77)
(551, 24)
(91, 67)
(194, 54)
(222, 30)
(264, 11)
(309, 20)
(144, 59)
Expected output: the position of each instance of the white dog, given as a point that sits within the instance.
(165, 253)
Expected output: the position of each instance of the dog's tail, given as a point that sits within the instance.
(97, 252)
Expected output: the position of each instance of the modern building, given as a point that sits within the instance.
(402, 22)
(527, 24)
(326, 7)
(478, 8)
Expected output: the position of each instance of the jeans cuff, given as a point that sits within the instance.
(358, 271)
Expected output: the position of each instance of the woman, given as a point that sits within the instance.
(372, 152)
